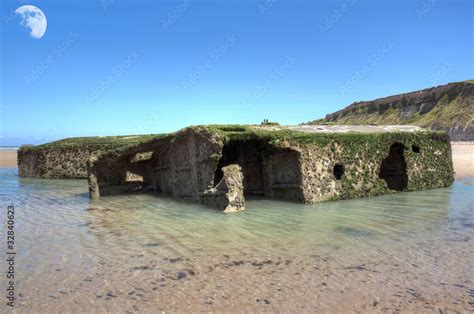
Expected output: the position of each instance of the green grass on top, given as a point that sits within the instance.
(97, 142)
(114, 145)
(248, 132)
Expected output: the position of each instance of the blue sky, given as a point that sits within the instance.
(109, 67)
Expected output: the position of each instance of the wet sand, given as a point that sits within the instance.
(403, 252)
(8, 158)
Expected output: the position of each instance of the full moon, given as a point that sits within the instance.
(34, 19)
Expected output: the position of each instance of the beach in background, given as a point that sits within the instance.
(8, 158)
(463, 159)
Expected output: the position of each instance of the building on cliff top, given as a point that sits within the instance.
(221, 165)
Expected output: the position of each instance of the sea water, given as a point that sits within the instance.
(146, 252)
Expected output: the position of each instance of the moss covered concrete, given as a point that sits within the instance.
(278, 162)
(67, 158)
(293, 163)
(362, 156)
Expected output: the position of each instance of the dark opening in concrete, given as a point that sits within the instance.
(338, 171)
(415, 148)
(393, 168)
(247, 154)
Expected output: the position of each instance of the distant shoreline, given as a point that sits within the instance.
(8, 157)
(463, 158)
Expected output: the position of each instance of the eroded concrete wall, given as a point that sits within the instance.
(228, 194)
(283, 175)
(267, 170)
(181, 165)
(53, 162)
(427, 161)
(190, 164)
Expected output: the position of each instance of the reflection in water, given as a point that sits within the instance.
(409, 251)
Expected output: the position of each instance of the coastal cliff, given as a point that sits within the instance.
(67, 158)
(447, 108)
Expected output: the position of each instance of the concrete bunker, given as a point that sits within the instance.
(221, 165)
(151, 166)
(200, 166)
(394, 168)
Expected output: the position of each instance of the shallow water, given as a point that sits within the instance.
(407, 251)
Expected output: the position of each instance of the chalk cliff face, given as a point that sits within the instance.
(449, 108)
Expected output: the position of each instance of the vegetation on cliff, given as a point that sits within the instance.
(448, 107)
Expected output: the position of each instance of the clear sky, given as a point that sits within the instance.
(110, 67)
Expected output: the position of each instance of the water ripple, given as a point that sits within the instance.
(76, 253)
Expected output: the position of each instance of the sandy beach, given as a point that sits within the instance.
(8, 158)
(463, 159)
